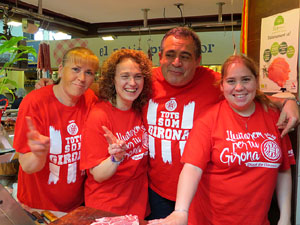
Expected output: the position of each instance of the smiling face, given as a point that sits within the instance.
(239, 87)
(76, 77)
(129, 83)
(178, 60)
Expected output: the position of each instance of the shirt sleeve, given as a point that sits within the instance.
(94, 145)
(287, 153)
(28, 108)
(285, 144)
(198, 147)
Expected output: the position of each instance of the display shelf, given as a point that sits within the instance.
(29, 83)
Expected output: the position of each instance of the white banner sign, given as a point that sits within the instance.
(279, 52)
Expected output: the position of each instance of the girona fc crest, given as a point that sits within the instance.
(171, 105)
(270, 150)
(72, 128)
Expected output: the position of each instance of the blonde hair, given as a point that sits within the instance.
(251, 65)
(80, 55)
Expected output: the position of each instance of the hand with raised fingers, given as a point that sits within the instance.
(38, 144)
(116, 148)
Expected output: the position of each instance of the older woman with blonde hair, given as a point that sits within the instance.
(50, 142)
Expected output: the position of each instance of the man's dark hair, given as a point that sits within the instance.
(183, 32)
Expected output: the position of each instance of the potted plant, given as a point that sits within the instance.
(13, 52)
(16, 53)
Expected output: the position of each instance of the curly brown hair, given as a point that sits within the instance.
(107, 90)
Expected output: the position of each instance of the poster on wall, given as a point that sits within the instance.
(279, 52)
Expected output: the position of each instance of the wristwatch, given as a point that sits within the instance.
(112, 158)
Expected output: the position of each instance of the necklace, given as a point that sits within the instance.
(246, 123)
(244, 120)
(245, 117)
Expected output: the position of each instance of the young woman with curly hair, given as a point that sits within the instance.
(115, 148)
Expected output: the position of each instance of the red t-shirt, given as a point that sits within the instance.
(169, 118)
(240, 165)
(59, 185)
(126, 192)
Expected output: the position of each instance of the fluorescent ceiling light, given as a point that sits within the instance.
(61, 36)
(108, 38)
(14, 23)
(60, 33)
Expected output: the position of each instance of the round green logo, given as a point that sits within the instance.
(290, 51)
(274, 48)
(267, 55)
(279, 20)
(283, 48)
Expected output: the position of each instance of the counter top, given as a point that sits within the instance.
(85, 216)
